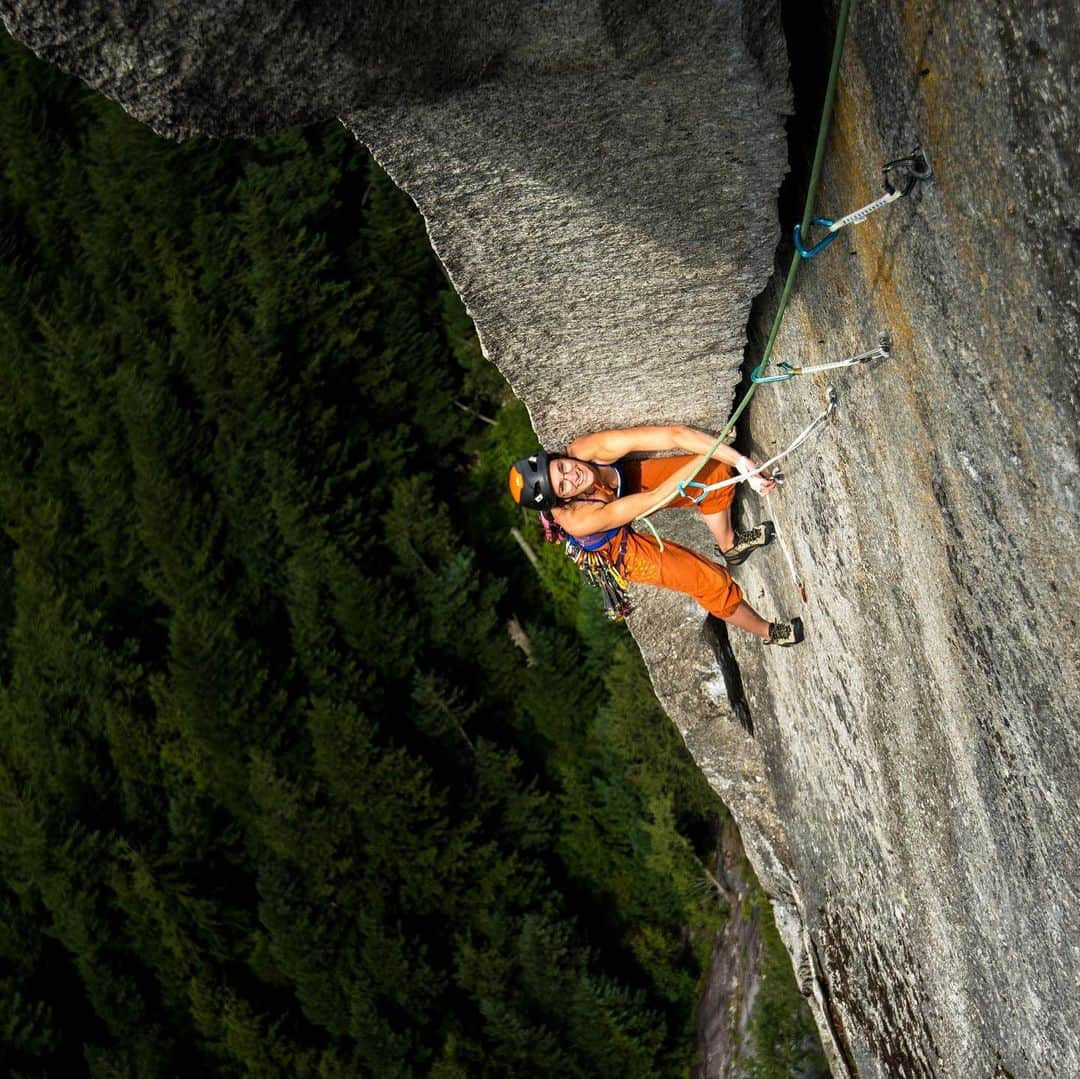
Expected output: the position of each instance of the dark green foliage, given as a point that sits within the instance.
(279, 793)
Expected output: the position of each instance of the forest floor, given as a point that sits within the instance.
(734, 969)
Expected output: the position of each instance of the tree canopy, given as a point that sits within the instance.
(304, 770)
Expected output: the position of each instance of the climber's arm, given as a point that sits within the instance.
(583, 517)
(605, 447)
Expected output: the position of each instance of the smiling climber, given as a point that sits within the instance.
(593, 491)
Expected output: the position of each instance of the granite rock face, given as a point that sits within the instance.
(606, 206)
(245, 67)
(923, 754)
(600, 180)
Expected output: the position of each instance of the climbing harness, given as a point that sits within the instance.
(917, 167)
(883, 350)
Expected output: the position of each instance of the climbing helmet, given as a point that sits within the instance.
(530, 484)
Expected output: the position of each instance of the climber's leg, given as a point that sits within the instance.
(681, 570)
(720, 526)
(745, 617)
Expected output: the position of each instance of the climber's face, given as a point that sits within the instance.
(570, 477)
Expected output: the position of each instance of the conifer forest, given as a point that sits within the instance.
(305, 769)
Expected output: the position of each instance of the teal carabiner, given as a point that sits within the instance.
(762, 379)
(810, 252)
(683, 484)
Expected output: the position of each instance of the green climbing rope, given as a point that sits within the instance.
(796, 258)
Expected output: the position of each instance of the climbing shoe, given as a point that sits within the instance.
(747, 542)
(785, 634)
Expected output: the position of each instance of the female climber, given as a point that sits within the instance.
(593, 492)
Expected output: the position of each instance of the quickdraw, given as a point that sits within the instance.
(818, 421)
(883, 350)
(918, 169)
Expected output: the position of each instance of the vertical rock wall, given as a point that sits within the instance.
(606, 206)
(923, 752)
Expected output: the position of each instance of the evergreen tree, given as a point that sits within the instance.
(279, 793)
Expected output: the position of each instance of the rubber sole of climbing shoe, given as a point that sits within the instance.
(785, 634)
(737, 555)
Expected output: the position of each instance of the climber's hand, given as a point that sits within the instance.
(761, 483)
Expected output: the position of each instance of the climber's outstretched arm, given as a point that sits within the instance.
(604, 447)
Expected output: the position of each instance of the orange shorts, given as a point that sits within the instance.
(676, 567)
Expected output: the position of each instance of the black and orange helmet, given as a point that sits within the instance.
(530, 484)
